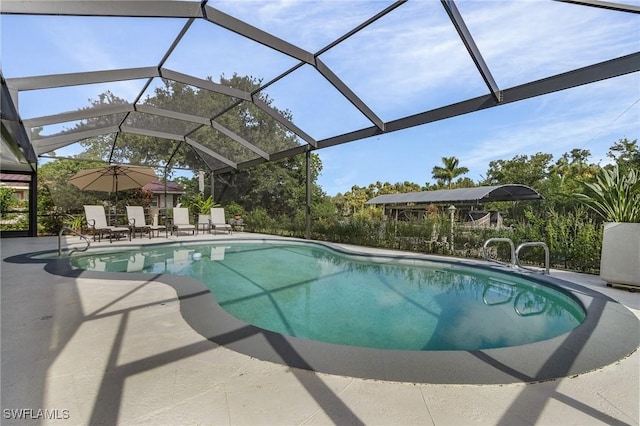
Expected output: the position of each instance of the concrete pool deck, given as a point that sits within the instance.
(120, 352)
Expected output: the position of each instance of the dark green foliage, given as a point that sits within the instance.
(614, 195)
(278, 187)
(198, 203)
(57, 198)
(7, 199)
(232, 209)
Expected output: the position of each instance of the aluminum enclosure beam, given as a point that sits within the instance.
(620, 7)
(211, 153)
(362, 26)
(336, 42)
(203, 121)
(152, 133)
(11, 124)
(130, 8)
(146, 109)
(472, 48)
(590, 74)
(274, 157)
(97, 111)
(235, 93)
(55, 142)
(348, 93)
(239, 27)
(204, 84)
(282, 120)
(79, 78)
(189, 11)
(220, 128)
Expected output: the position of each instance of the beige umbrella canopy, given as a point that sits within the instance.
(113, 178)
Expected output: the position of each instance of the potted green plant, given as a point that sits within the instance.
(615, 195)
(234, 211)
(202, 206)
(74, 222)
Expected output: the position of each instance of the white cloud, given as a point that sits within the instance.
(561, 122)
(526, 40)
(409, 61)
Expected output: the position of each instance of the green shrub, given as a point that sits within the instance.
(573, 238)
(232, 209)
(7, 199)
(259, 221)
(615, 195)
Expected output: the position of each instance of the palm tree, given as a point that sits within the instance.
(450, 170)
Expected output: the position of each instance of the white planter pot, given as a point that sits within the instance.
(620, 261)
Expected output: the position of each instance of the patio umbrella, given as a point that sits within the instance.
(113, 178)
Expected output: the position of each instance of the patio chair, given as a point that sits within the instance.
(136, 263)
(181, 221)
(179, 261)
(217, 220)
(137, 222)
(97, 221)
(217, 253)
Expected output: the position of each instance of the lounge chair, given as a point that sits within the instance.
(136, 263)
(97, 221)
(217, 253)
(218, 221)
(181, 221)
(180, 260)
(137, 222)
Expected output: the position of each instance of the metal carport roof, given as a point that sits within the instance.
(480, 194)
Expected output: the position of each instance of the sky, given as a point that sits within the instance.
(410, 61)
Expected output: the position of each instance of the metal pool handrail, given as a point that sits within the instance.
(500, 240)
(534, 244)
(84, 237)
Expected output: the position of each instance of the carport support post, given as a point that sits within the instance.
(307, 232)
(452, 210)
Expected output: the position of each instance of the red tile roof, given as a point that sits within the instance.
(158, 187)
(15, 177)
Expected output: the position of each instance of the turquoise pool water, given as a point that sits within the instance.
(310, 291)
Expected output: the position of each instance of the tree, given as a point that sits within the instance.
(521, 169)
(279, 187)
(56, 196)
(464, 182)
(355, 198)
(7, 199)
(450, 171)
(626, 153)
(564, 177)
(55, 192)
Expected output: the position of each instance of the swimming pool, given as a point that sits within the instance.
(608, 333)
(313, 292)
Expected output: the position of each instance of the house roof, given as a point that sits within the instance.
(14, 177)
(158, 187)
(477, 194)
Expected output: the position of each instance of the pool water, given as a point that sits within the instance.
(310, 291)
